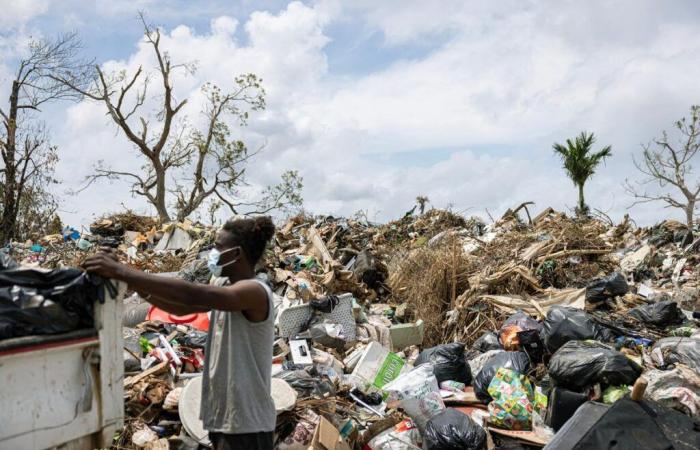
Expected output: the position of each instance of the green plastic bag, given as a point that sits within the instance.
(513, 400)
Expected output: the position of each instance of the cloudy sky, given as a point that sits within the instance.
(376, 102)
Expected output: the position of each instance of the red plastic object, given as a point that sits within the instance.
(199, 321)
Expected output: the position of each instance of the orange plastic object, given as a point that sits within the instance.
(509, 338)
(199, 321)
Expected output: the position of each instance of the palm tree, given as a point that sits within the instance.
(580, 163)
(422, 200)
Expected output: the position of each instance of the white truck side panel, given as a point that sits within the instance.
(45, 393)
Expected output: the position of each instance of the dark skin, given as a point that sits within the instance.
(180, 297)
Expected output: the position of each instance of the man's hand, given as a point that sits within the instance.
(105, 265)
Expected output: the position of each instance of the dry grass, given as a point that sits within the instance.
(429, 280)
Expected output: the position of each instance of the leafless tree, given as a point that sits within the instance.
(668, 165)
(27, 157)
(183, 162)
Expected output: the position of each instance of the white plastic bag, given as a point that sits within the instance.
(402, 436)
(417, 393)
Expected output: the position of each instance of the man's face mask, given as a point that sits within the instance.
(215, 257)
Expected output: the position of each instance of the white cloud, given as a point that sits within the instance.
(502, 82)
(17, 12)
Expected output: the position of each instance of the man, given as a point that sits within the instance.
(237, 409)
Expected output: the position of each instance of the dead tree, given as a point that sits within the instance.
(668, 166)
(422, 200)
(183, 162)
(27, 157)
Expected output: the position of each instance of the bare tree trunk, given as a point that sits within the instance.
(8, 221)
(689, 209)
(160, 205)
(581, 202)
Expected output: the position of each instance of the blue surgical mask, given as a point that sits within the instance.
(214, 258)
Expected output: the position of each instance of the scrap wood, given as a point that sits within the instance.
(565, 253)
(321, 249)
(153, 370)
(528, 437)
(539, 304)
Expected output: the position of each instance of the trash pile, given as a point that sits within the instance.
(434, 331)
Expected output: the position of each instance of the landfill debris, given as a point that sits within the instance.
(452, 429)
(513, 400)
(384, 330)
(678, 389)
(581, 364)
(627, 425)
(516, 361)
(448, 363)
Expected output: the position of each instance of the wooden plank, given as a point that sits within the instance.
(152, 371)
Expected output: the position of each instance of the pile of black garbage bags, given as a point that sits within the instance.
(40, 302)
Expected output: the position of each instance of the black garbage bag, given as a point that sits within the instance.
(195, 339)
(604, 288)
(627, 425)
(517, 361)
(34, 302)
(453, 430)
(581, 364)
(325, 304)
(530, 342)
(488, 341)
(367, 269)
(306, 384)
(448, 362)
(677, 350)
(522, 320)
(6, 262)
(564, 324)
(661, 314)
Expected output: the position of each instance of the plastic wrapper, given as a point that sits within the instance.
(604, 288)
(417, 393)
(403, 436)
(661, 314)
(453, 430)
(581, 364)
(564, 324)
(517, 361)
(448, 363)
(678, 389)
(614, 393)
(486, 342)
(452, 386)
(518, 322)
(513, 400)
(676, 350)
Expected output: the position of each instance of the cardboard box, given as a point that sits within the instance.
(327, 437)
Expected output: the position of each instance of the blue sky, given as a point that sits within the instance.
(377, 102)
